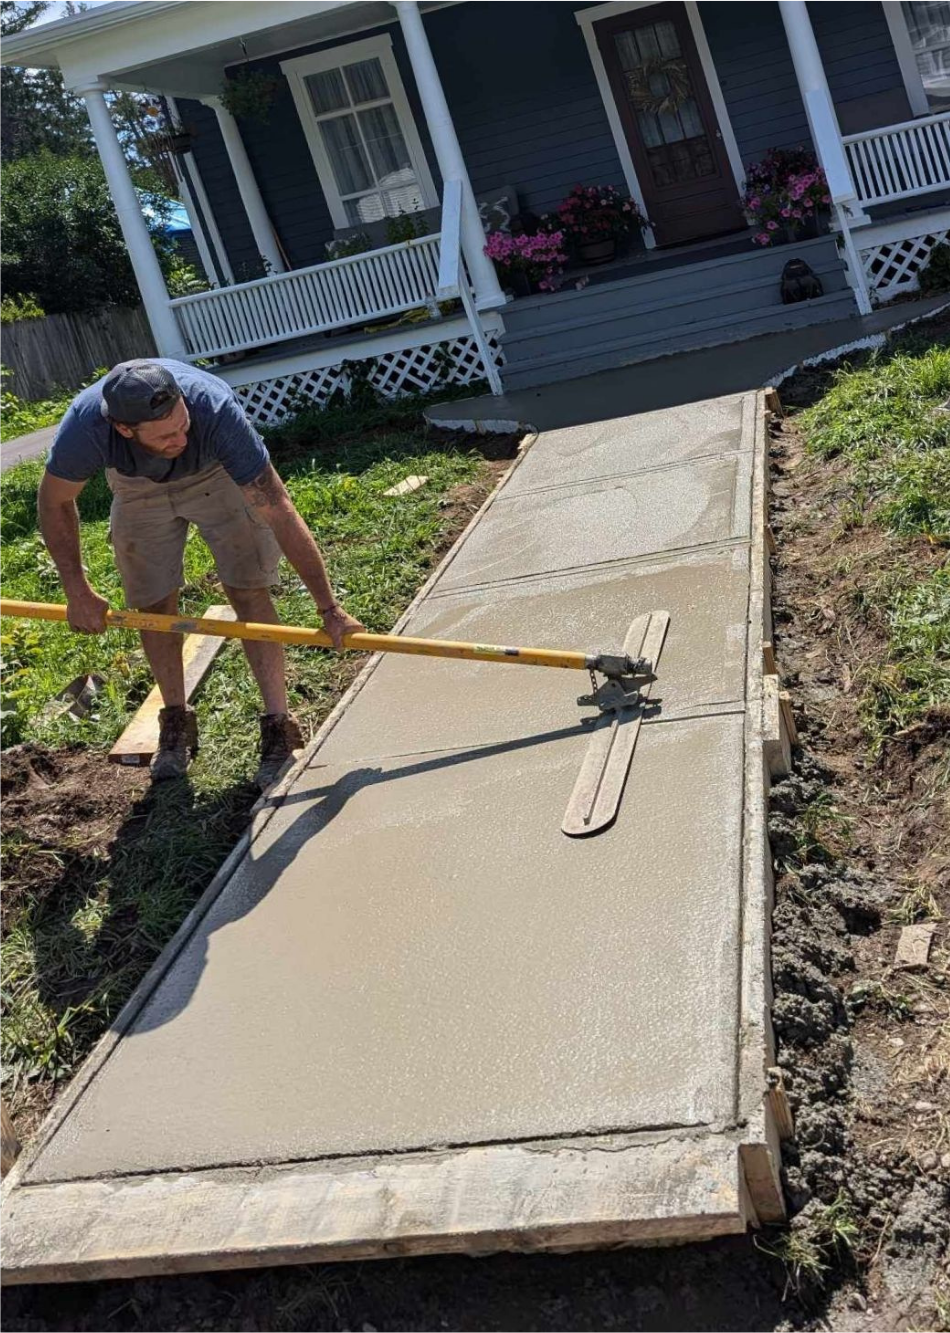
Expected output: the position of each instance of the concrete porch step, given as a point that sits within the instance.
(651, 287)
(576, 358)
(662, 310)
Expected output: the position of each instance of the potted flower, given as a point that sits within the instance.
(526, 263)
(594, 218)
(786, 196)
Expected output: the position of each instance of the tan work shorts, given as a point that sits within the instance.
(148, 527)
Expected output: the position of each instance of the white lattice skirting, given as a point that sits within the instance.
(391, 373)
(893, 263)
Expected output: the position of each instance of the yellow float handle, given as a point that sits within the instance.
(312, 638)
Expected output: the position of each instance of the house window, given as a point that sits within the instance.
(928, 26)
(361, 132)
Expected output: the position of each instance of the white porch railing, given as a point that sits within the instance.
(344, 293)
(336, 295)
(900, 161)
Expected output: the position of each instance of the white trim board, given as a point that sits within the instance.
(904, 51)
(587, 19)
(350, 53)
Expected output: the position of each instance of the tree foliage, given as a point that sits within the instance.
(38, 112)
(61, 238)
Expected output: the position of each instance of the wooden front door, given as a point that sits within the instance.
(670, 123)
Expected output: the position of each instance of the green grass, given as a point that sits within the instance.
(21, 416)
(88, 919)
(822, 1237)
(884, 418)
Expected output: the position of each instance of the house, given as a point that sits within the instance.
(457, 111)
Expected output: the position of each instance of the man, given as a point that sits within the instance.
(178, 449)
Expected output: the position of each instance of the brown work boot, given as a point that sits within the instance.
(177, 734)
(280, 737)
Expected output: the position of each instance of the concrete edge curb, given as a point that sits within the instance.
(859, 344)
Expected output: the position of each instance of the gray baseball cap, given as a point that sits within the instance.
(136, 391)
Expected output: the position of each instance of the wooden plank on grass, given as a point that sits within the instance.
(139, 741)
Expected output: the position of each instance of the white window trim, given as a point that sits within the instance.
(904, 50)
(380, 48)
(587, 18)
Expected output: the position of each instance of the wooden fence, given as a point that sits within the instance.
(62, 351)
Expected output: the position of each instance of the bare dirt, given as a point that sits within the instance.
(864, 1047)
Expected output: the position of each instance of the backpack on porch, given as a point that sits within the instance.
(799, 283)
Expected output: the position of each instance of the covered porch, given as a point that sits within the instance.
(465, 113)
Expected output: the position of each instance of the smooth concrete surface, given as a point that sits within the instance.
(592, 523)
(650, 440)
(411, 954)
(668, 381)
(415, 704)
(415, 955)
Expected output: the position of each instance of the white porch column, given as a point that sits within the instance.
(207, 237)
(819, 107)
(264, 237)
(145, 265)
(448, 152)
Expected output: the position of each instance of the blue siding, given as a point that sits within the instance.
(754, 66)
(857, 52)
(524, 99)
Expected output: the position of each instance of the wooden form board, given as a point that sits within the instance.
(139, 741)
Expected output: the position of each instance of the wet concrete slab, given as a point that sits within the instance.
(414, 955)
(411, 986)
(633, 444)
(594, 522)
(414, 704)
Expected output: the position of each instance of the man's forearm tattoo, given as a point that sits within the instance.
(266, 490)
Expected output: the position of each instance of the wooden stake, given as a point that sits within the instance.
(778, 1104)
(785, 703)
(768, 659)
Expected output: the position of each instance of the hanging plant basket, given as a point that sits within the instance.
(250, 94)
(181, 142)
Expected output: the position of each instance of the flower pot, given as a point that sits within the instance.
(597, 252)
(519, 283)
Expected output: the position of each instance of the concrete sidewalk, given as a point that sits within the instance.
(413, 1016)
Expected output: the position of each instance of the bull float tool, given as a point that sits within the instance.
(621, 697)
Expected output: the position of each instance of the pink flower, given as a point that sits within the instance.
(772, 226)
(796, 212)
(786, 212)
(755, 203)
(763, 238)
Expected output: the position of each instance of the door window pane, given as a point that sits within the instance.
(659, 88)
(928, 23)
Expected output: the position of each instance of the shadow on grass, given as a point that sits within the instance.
(100, 920)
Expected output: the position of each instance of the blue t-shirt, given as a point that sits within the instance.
(219, 433)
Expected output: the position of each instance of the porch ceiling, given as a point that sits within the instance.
(184, 48)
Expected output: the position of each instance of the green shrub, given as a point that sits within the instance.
(13, 308)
